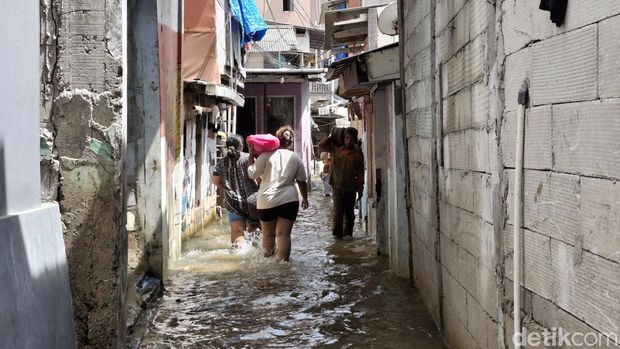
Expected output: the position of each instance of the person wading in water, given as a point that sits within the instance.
(346, 179)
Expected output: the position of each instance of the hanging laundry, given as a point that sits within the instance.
(557, 9)
(246, 13)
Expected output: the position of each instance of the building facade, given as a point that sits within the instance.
(280, 70)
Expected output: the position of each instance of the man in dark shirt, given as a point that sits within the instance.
(347, 179)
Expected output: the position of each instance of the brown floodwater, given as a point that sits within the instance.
(332, 294)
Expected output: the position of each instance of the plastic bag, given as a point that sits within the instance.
(147, 283)
(263, 143)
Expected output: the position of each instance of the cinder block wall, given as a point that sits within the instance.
(464, 63)
(81, 147)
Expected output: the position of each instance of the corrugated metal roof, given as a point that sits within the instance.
(336, 68)
(277, 39)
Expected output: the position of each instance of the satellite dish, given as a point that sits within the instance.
(388, 19)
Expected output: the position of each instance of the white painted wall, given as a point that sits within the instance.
(19, 116)
(398, 221)
(35, 301)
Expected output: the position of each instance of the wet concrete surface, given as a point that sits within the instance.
(332, 294)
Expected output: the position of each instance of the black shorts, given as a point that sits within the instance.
(286, 211)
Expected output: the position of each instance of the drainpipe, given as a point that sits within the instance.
(518, 213)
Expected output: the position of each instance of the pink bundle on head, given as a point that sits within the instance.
(263, 143)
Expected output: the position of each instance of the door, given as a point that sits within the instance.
(246, 118)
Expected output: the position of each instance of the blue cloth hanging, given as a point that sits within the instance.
(246, 13)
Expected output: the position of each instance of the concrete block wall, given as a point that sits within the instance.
(420, 107)
(471, 302)
(82, 131)
(461, 133)
(571, 163)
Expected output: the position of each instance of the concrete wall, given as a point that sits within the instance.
(82, 144)
(35, 302)
(387, 173)
(464, 62)
(144, 165)
(379, 168)
(169, 23)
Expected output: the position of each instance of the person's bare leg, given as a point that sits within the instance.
(236, 232)
(283, 235)
(269, 237)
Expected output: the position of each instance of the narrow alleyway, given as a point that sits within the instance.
(333, 294)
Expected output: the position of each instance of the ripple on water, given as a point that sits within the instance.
(332, 294)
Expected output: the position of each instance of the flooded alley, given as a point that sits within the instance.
(332, 294)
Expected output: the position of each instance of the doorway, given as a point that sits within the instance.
(246, 119)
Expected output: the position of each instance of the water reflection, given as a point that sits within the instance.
(333, 294)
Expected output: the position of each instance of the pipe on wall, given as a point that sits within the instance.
(518, 213)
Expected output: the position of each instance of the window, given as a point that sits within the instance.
(287, 5)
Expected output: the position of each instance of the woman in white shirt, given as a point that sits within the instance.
(278, 198)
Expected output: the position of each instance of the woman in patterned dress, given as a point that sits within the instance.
(231, 175)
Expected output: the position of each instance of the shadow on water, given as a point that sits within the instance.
(333, 294)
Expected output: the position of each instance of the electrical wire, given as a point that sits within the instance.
(274, 20)
(274, 60)
(308, 17)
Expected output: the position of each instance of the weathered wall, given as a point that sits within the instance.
(81, 56)
(420, 124)
(197, 192)
(35, 301)
(464, 63)
(570, 237)
(169, 23)
(146, 231)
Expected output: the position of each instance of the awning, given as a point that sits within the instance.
(357, 74)
(219, 91)
(200, 41)
(284, 74)
(348, 27)
(381, 64)
(331, 5)
(317, 38)
(247, 14)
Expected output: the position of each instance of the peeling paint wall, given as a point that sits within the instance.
(81, 143)
(464, 61)
(197, 193)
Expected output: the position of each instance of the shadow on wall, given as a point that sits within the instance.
(35, 302)
(96, 252)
